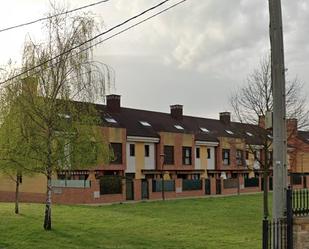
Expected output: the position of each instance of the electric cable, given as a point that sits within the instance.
(52, 16)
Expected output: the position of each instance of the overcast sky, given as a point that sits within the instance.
(196, 54)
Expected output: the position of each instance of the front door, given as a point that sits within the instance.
(145, 189)
(207, 187)
(129, 189)
(218, 186)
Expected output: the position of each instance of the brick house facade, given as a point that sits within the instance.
(195, 157)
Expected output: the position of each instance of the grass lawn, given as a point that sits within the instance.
(209, 223)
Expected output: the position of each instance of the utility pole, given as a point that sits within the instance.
(279, 110)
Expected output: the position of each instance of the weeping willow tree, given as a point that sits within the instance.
(13, 149)
(58, 127)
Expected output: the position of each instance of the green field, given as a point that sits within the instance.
(208, 223)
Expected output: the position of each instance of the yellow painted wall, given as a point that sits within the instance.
(139, 160)
(250, 159)
(225, 143)
(302, 162)
(203, 158)
(239, 144)
(115, 135)
(187, 140)
(169, 138)
(34, 184)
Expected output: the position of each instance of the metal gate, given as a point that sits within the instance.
(129, 189)
(207, 187)
(145, 194)
(218, 187)
(278, 234)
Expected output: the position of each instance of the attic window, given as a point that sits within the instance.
(249, 134)
(179, 127)
(144, 123)
(204, 129)
(111, 120)
(229, 132)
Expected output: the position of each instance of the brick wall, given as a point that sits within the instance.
(301, 233)
(6, 196)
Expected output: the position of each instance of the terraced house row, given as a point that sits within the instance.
(194, 156)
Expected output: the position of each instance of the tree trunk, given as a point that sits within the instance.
(17, 182)
(265, 193)
(47, 218)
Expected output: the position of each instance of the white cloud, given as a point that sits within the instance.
(199, 50)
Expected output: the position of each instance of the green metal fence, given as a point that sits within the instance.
(71, 183)
(251, 182)
(230, 183)
(188, 184)
(169, 185)
(110, 185)
(300, 202)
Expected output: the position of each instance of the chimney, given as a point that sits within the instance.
(113, 103)
(261, 121)
(225, 117)
(291, 127)
(176, 111)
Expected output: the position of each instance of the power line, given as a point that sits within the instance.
(108, 38)
(126, 29)
(87, 41)
(132, 26)
(49, 17)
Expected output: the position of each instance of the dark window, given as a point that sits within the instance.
(146, 150)
(132, 149)
(208, 154)
(239, 157)
(234, 175)
(168, 154)
(110, 184)
(197, 152)
(186, 155)
(117, 153)
(226, 157)
(247, 155)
